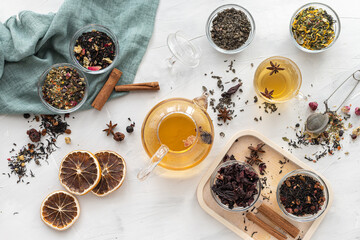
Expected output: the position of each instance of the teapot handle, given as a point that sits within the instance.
(201, 101)
(154, 161)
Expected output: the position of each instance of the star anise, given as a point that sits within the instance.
(254, 155)
(253, 159)
(275, 68)
(110, 129)
(224, 114)
(268, 94)
(257, 149)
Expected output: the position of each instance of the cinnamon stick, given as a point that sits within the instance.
(278, 220)
(265, 226)
(138, 86)
(107, 89)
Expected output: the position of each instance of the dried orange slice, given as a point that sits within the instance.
(79, 172)
(60, 210)
(113, 171)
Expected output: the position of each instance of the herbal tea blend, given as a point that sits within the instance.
(313, 28)
(302, 195)
(94, 50)
(236, 185)
(51, 127)
(230, 29)
(63, 88)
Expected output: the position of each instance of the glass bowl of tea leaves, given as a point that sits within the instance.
(302, 195)
(314, 27)
(63, 88)
(94, 49)
(230, 29)
(235, 186)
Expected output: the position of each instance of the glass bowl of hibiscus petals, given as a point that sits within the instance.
(235, 186)
(302, 195)
(94, 49)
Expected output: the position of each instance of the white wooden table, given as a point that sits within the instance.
(165, 207)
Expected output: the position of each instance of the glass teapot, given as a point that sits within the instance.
(177, 134)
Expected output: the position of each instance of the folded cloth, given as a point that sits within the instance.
(31, 43)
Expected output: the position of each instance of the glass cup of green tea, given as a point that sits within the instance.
(277, 80)
(177, 134)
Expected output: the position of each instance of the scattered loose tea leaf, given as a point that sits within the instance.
(54, 126)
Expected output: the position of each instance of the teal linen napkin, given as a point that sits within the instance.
(31, 43)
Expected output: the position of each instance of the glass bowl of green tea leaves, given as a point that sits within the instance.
(230, 29)
(94, 49)
(302, 195)
(63, 88)
(315, 27)
(235, 186)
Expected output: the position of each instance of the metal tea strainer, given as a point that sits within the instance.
(317, 122)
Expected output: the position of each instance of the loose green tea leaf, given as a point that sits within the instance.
(230, 29)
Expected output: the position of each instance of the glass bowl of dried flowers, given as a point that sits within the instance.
(94, 49)
(235, 186)
(63, 88)
(302, 195)
(230, 29)
(315, 27)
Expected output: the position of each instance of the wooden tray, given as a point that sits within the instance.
(236, 221)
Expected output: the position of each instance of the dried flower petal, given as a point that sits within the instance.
(313, 105)
(345, 109)
(357, 111)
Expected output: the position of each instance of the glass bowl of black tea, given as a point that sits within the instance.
(230, 29)
(63, 88)
(94, 49)
(314, 27)
(302, 195)
(235, 186)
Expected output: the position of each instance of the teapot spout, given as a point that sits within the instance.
(202, 101)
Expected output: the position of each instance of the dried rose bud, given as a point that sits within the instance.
(313, 105)
(34, 135)
(118, 136)
(357, 111)
(345, 109)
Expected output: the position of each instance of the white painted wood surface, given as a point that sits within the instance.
(165, 206)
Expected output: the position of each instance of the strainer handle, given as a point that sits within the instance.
(154, 161)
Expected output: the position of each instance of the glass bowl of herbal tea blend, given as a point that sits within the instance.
(302, 195)
(63, 88)
(315, 27)
(94, 49)
(230, 29)
(235, 186)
